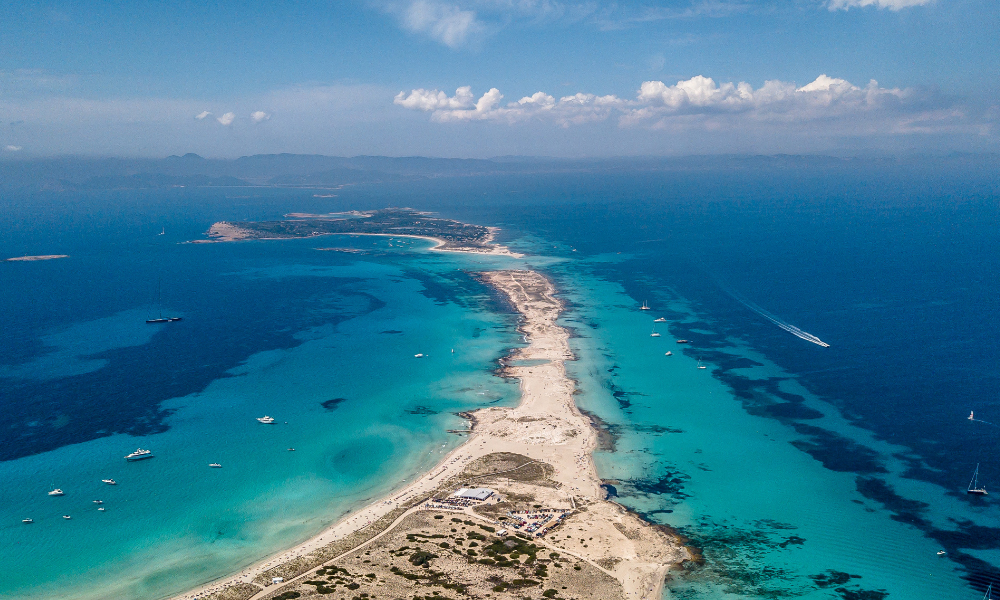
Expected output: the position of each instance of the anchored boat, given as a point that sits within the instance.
(139, 454)
(974, 487)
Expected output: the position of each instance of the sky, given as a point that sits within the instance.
(486, 78)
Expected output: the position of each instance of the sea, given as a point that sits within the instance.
(792, 469)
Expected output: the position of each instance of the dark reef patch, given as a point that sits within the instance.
(836, 452)
(670, 484)
(831, 578)
(332, 403)
(607, 433)
(847, 594)
(610, 491)
(904, 510)
(421, 410)
(391, 331)
(792, 541)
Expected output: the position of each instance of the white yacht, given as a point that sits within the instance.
(660, 320)
(98, 501)
(110, 481)
(101, 509)
(139, 454)
(67, 517)
(215, 466)
(418, 355)
(668, 353)
(57, 492)
(27, 521)
(266, 420)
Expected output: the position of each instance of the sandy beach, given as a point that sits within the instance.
(546, 427)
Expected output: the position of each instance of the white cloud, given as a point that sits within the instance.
(202, 115)
(567, 110)
(890, 4)
(442, 21)
(434, 100)
(700, 102)
(11, 148)
(259, 116)
(227, 119)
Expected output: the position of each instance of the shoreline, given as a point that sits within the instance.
(546, 426)
(222, 231)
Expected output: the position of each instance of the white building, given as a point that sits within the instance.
(474, 494)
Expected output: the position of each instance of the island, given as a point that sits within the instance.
(34, 258)
(449, 235)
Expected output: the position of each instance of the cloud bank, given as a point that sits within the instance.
(700, 102)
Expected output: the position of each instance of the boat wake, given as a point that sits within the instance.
(972, 417)
(792, 329)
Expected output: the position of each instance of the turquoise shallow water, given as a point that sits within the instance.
(770, 520)
(361, 412)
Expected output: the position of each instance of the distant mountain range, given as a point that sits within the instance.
(316, 171)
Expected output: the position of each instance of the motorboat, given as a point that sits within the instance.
(27, 521)
(110, 481)
(668, 353)
(215, 466)
(57, 492)
(660, 320)
(682, 341)
(139, 454)
(266, 420)
(67, 517)
(98, 501)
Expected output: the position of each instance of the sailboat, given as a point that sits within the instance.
(654, 334)
(161, 318)
(644, 306)
(989, 593)
(163, 232)
(974, 485)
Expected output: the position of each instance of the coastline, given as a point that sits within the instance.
(546, 426)
(227, 232)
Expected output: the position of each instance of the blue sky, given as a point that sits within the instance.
(538, 77)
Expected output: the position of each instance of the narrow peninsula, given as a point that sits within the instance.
(515, 512)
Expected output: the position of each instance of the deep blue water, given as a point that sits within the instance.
(897, 270)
